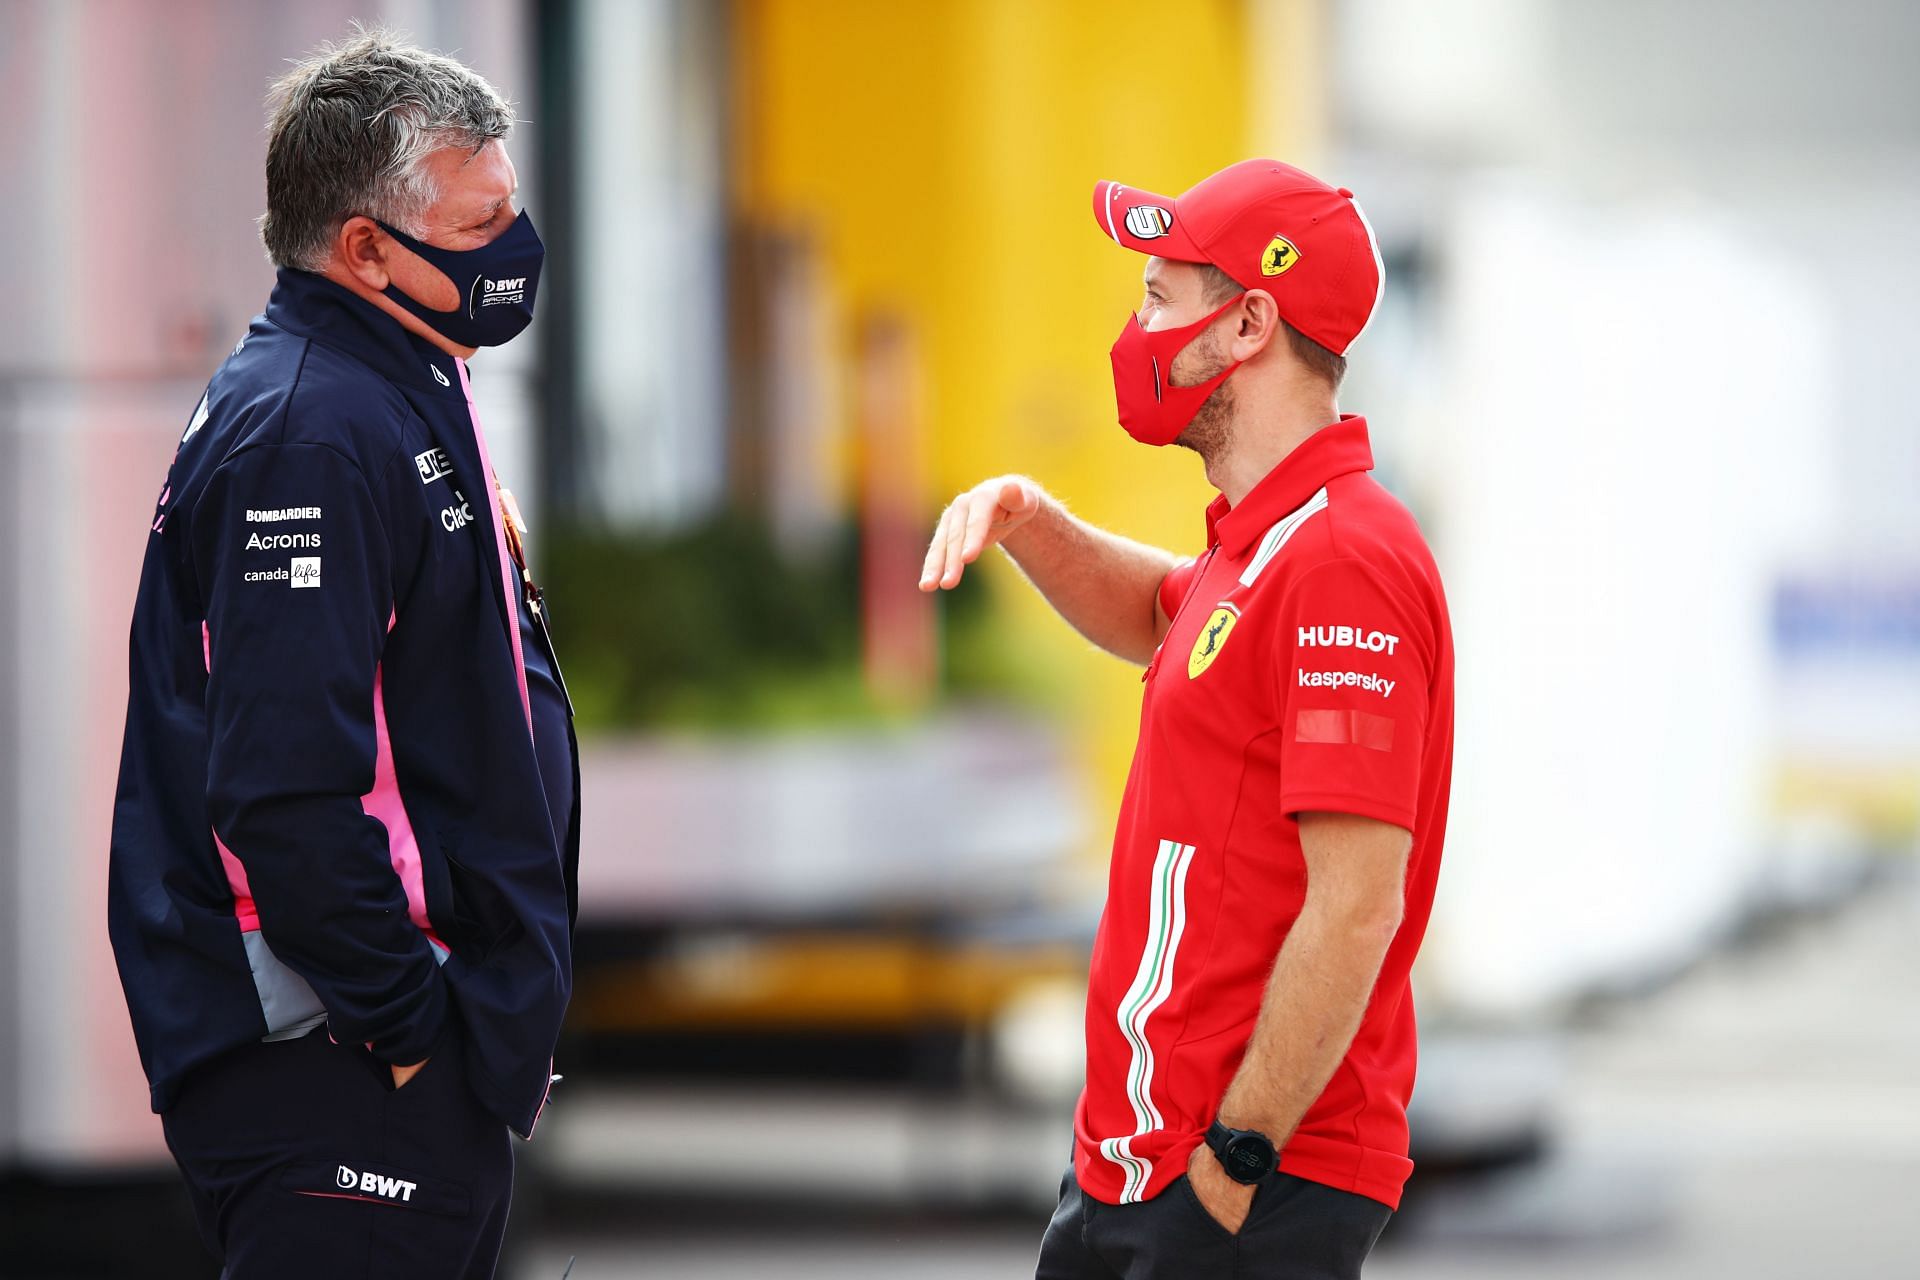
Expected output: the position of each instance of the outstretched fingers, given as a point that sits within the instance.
(955, 542)
(982, 509)
(935, 564)
(972, 522)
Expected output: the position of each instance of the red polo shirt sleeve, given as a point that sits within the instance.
(1174, 587)
(1356, 663)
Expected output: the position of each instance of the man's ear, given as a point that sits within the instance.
(362, 249)
(1258, 324)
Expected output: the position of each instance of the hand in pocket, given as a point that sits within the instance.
(1225, 1200)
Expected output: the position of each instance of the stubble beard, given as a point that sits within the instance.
(1212, 427)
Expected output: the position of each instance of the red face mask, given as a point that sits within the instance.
(1151, 409)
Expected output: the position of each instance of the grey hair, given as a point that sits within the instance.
(349, 131)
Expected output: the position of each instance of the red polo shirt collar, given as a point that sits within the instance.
(1334, 450)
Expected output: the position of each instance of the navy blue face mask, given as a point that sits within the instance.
(496, 283)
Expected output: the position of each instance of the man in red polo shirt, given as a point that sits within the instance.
(1250, 1028)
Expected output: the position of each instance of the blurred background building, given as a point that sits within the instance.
(1643, 372)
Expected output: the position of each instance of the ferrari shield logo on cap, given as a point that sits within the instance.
(1149, 221)
(1278, 256)
(1211, 640)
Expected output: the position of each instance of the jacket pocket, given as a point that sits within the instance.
(466, 910)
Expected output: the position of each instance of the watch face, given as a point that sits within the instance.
(1249, 1159)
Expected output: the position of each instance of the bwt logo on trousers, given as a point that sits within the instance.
(375, 1184)
(1347, 638)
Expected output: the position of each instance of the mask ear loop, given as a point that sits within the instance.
(424, 251)
(1198, 327)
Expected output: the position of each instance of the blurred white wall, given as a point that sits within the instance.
(1618, 451)
(1645, 351)
(1795, 123)
(648, 82)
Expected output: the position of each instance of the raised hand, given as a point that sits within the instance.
(974, 521)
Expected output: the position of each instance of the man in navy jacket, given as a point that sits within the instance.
(346, 829)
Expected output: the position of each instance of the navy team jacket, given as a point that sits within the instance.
(329, 808)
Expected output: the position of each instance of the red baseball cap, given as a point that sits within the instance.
(1269, 226)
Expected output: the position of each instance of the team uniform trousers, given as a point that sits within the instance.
(302, 1160)
(1295, 1230)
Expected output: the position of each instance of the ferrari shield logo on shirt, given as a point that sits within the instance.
(1278, 256)
(1149, 221)
(1211, 640)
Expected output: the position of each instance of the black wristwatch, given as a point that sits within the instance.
(1246, 1154)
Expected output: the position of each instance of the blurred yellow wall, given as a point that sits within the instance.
(944, 153)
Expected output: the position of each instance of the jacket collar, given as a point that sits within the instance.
(314, 307)
(1335, 450)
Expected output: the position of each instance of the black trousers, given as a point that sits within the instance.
(1296, 1230)
(302, 1160)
